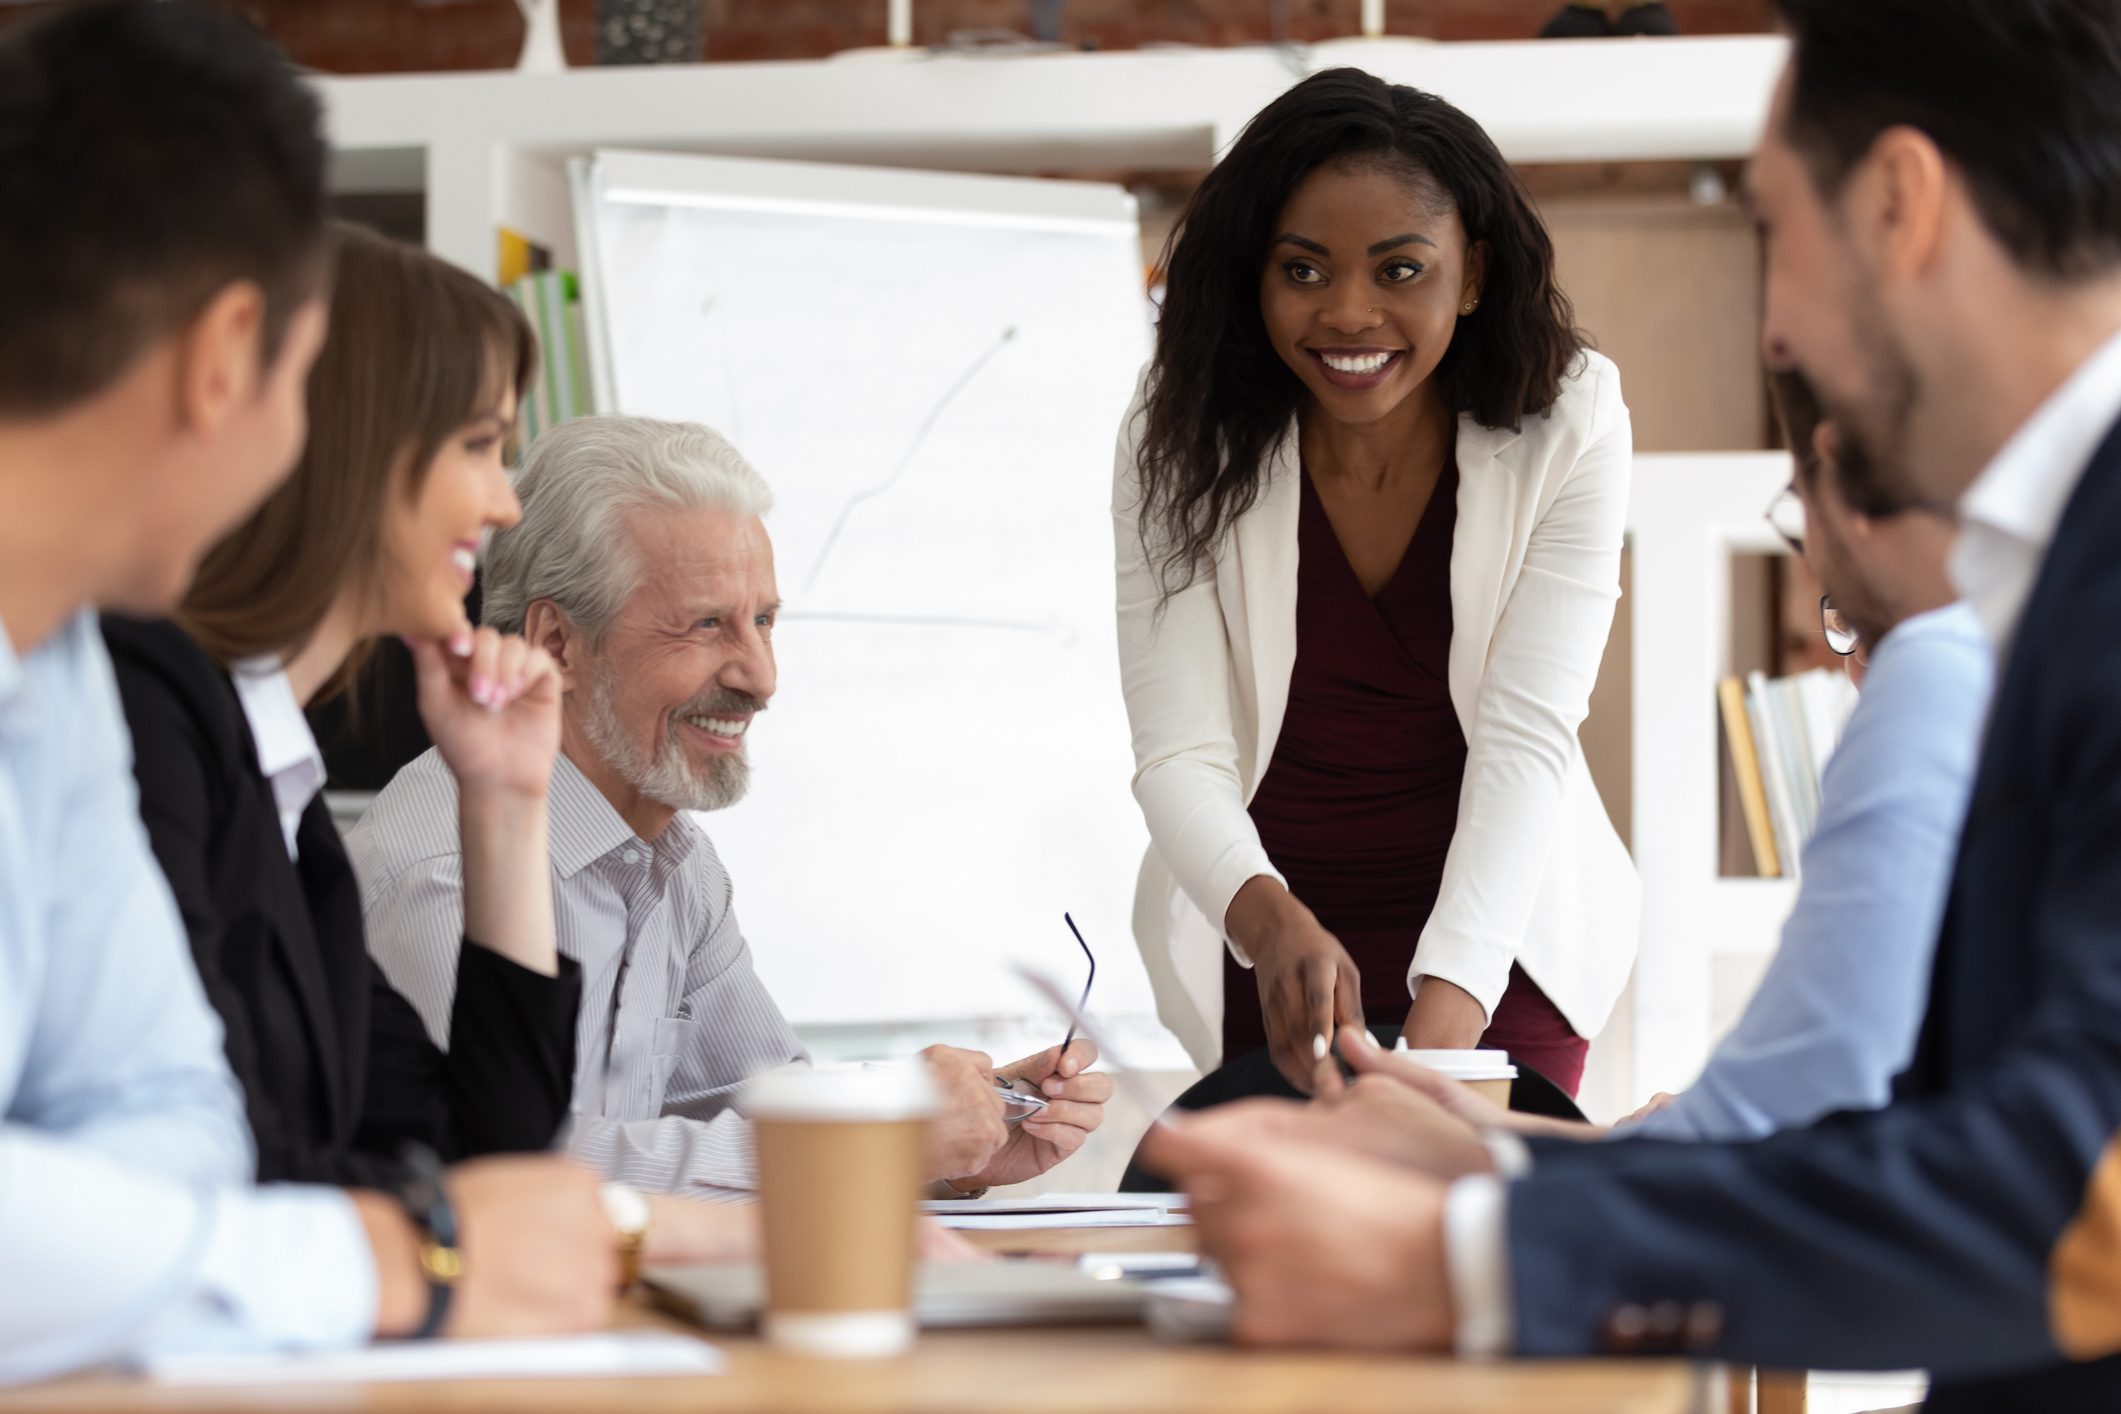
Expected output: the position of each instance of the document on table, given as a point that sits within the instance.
(615, 1353)
(1060, 1210)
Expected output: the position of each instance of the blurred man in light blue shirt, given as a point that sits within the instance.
(1835, 1015)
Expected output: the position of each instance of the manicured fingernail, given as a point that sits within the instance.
(460, 644)
(481, 689)
(1053, 1086)
(1318, 1046)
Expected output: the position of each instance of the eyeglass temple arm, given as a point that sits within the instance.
(1084, 1004)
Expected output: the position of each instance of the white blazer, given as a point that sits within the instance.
(1535, 873)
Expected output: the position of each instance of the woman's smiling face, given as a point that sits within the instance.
(1366, 278)
(431, 536)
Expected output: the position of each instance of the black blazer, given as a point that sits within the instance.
(1920, 1234)
(336, 1067)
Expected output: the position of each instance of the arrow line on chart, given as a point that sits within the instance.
(912, 449)
(1053, 626)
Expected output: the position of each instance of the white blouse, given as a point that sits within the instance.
(287, 749)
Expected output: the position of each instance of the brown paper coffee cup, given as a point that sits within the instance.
(1488, 1073)
(841, 1155)
(1495, 1092)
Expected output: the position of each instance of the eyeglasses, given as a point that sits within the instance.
(1084, 1004)
(1841, 635)
(1786, 514)
(1021, 1104)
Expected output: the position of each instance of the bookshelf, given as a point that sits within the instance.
(1688, 516)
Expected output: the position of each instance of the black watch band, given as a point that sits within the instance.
(426, 1202)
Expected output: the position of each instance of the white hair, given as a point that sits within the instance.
(578, 484)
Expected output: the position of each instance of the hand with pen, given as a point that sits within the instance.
(1362, 1268)
(974, 1144)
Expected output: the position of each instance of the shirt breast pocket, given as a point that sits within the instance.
(676, 1039)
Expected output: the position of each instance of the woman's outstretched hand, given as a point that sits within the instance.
(1308, 985)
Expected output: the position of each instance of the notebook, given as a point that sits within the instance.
(728, 1295)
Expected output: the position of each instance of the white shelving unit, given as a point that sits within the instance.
(489, 149)
(492, 147)
(1688, 515)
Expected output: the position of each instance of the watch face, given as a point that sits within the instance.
(626, 1207)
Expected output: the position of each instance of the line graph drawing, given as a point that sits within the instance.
(1062, 630)
(913, 448)
(934, 405)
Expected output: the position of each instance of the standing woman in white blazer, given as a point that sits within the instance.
(1368, 507)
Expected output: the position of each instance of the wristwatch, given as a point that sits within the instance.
(426, 1202)
(629, 1212)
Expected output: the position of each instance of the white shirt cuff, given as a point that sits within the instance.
(1477, 1257)
(286, 1267)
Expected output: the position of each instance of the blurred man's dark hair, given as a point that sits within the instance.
(150, 156)
(2022, 96)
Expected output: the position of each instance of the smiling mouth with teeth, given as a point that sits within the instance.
(1357, 364)
(731, 727)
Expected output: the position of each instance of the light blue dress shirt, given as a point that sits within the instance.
(128, 1222)
(1836, 1014)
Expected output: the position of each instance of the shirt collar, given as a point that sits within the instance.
(277, 726)
(2020, 495)
(585, 827)
(2025, 486)
(287, 750)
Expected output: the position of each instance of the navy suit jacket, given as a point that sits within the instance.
(1926, 1233)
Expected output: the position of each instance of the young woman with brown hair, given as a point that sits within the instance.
(411, 406)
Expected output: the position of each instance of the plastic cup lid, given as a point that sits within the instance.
(799, 1092)
(1463, 1065)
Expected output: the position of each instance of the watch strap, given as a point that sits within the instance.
(426, 1202)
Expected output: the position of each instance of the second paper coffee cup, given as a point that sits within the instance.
(841, 1158)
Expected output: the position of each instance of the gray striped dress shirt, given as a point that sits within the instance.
(673, 1018)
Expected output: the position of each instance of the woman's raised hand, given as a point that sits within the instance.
(491, 702)
(1308, 985)
(492, 705)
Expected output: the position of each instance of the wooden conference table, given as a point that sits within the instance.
(1047, 1370)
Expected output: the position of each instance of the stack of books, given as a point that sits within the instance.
(1781, 732)
(552, 303)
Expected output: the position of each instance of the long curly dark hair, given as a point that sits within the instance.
(1219, 396)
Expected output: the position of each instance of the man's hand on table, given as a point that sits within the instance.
(972, 1145)
(540, 1257)
(1323, 1247)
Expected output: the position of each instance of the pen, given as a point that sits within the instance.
(1018, 1104)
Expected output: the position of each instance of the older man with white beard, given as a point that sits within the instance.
(643, 566)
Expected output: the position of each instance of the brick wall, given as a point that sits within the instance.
(387, 36)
